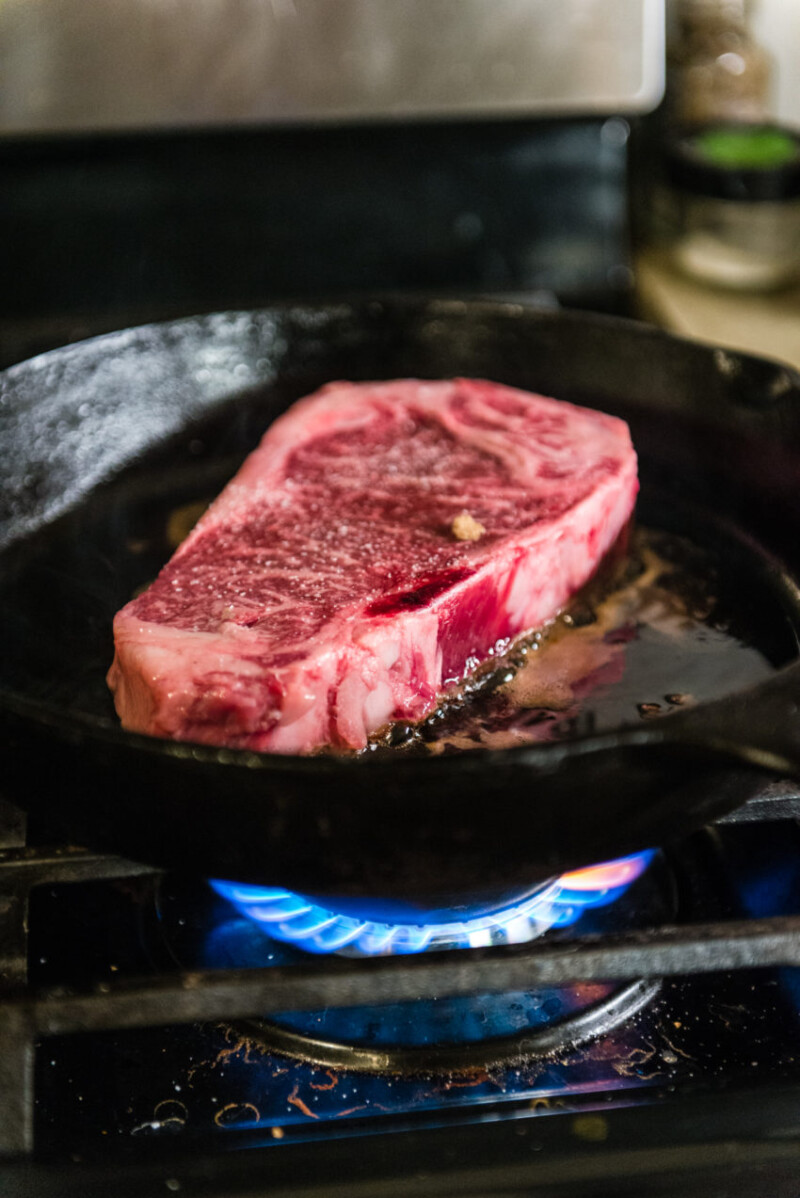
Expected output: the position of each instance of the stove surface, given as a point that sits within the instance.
(222, 1078)
(164, 1096)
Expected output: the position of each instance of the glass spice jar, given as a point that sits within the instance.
(735, 200)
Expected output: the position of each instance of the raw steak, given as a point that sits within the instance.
(382, 541)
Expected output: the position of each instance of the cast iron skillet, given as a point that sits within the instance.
(94, 429)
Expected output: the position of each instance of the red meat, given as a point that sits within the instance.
(328, 590)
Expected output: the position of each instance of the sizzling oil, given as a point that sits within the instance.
(659, 635)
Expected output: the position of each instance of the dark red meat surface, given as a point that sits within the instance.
(324, 592)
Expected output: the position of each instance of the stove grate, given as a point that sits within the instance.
(234, 994)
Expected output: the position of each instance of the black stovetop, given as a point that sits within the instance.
(147, 1056)
(105, 232)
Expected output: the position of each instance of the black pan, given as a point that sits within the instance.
(94, 433)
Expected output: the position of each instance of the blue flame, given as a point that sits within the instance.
(317, 929)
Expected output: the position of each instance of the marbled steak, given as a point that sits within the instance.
(379, 544)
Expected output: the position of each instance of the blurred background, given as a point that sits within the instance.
(162, 157)
(776, 25)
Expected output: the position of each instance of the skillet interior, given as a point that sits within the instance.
(168, 411)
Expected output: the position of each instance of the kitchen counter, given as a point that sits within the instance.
(766, 325)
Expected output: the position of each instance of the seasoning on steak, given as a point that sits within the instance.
(323, 594)
(466, 528)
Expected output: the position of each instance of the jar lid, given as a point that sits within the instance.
(749, 162)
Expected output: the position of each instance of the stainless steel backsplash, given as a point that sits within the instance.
(83, 65)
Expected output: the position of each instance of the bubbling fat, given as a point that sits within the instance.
(652, 633)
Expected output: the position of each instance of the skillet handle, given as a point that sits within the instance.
(757, 727)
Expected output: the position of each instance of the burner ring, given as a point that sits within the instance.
(420, 1061)
(369, 927)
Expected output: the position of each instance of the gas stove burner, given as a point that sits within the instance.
(200, 929)
(361, 931)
